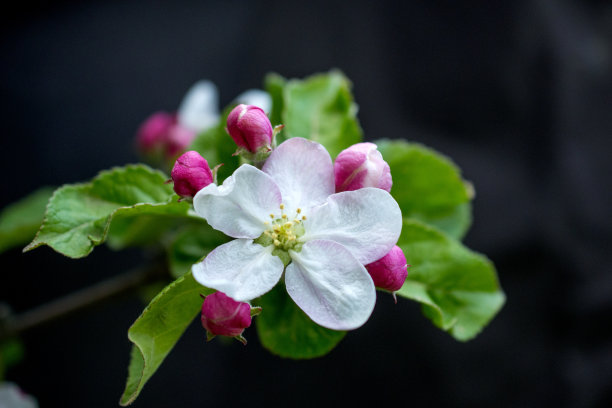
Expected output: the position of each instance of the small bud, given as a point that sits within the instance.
(223, 316)
(250, 128)
(153, 132)
(161, 136)
(359, 166)
(390, 271)
(190, 174)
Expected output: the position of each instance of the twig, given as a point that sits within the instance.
(100, 293)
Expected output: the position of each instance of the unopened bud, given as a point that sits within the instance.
(153, 132)
(161, 136)
(223, 316)
(190, 174)
(250, 128)
(390, 271)
(359, 166)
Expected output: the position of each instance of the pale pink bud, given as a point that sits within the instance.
(359, 166)
(153, 132)
(223, 316)
(190, 174)
(250, 128)
(390, 271)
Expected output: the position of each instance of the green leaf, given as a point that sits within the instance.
(458, 288)
(285, 330)
(157, 330)
(274, 85)
(217, 147)
(78, 216)
(321, 108)
(191, 245)
(428, 186)
(20, 221)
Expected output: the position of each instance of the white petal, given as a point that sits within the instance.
(199, 109)
(241, 269)
(367, 222)
(241, 205)
(256, 97)
(330, 285)
(304, 172)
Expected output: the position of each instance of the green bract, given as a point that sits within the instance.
(132, 206)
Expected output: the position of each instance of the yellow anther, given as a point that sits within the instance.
(303, 217)
(288, 225)
(297, 221)
(276, 242)
(282, 206)
(271, 215)
(274, 235)
(299, 210)
(284, 216)
(266, 223)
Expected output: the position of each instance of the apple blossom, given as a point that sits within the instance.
(287, 218)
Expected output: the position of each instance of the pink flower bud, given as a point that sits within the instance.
(153, 132)
(223, 316)
(390, 271)
(190, 174)
(250, 128)
(359, 166)
(161, 134)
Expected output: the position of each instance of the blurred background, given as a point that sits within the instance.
(518, 93)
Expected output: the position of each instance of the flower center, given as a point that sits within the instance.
(283, 232)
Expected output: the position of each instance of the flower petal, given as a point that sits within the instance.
(240, 268)
(241, 205)
(256, 97)
(330, 285)
(199, 108)
(303, 171)
(367, 222)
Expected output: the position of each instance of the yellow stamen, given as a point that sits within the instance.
(282, 206)
(303, 217)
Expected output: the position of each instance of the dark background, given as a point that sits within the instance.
(518, 93)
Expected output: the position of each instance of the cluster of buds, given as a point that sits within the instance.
(223, 316)
(356, 167)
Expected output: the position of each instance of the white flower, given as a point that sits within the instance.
(288, 215)
(199, 109)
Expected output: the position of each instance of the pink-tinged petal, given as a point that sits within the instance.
(199, 109)
(367, 222)
(240, 268)
(326, 281)
(241, 205)
(303, 171)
